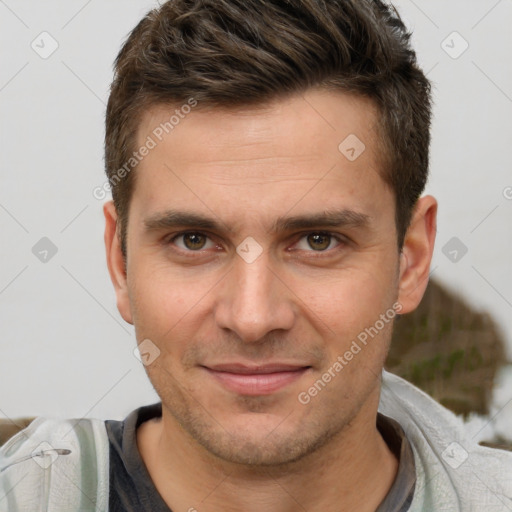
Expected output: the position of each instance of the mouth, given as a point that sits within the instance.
(254, 380)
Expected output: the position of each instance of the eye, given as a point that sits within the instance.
(318, 241)
(192, 241)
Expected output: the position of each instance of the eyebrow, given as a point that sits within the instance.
(343, 218)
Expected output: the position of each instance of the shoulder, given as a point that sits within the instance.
(71, 454)
(452, 468)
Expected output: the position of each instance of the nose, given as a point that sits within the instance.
(254, 301)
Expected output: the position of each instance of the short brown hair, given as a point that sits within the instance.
(241, 52)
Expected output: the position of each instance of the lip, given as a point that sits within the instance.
(254, 380)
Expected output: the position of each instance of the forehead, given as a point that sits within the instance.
(317, 116)
(315, 145)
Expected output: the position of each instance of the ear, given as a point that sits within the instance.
(416, 254)
(115, 262)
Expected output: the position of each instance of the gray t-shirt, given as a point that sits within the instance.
(132, 490)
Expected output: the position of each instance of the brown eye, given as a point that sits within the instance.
(191, 241)
(319, 241)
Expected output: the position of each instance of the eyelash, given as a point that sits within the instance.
(342, 241)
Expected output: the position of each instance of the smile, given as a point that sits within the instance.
(255, 381)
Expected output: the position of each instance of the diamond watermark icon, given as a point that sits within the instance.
(454, 249)
(454, 455)
(352, 147)
(44, 45)
(454, 45)
(45, 455)
(249, 250)
(146, 352)
(44, 250)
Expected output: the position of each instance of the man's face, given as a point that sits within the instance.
(254, 304)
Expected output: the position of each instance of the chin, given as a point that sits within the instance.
(261, 443)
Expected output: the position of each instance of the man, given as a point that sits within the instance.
(266, 160)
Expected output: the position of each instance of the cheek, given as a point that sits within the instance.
(349, 301)
(160, 301)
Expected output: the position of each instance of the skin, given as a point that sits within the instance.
(303, 300)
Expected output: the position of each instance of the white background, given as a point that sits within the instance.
(65, 349)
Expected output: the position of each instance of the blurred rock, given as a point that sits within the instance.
(449, 350)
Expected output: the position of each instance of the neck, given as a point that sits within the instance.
(353, 471)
